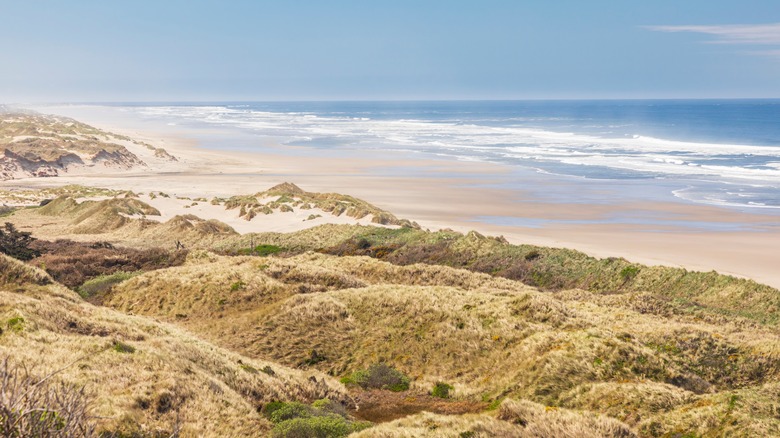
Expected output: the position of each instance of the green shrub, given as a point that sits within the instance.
(270, 407)
(16, 243)
(324, 418)
(442, 390)
(629, 272)
(379, 376)
(329, 426)
(290, 410)
(237, 286)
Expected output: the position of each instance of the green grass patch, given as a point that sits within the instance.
(121, 347)
(261, 250)
(101, 285)
(15, 324)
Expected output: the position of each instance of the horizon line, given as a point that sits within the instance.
(540, 99)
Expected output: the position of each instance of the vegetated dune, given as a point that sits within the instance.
(141, 377)
(87, 214)
(34, 145)
(558, 342)
(119, 220)
(632, 356)
(287, 196)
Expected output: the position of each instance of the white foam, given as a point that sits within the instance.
(478, 142)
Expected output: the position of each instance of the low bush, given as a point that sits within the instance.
(379, 376)
(323, 418)
(17, 244)
(329, 426)
(629, 272)
(442, 390)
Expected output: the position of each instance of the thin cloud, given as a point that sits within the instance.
(758, 34)
(736, 34)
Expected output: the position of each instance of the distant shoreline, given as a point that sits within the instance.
(443, 193)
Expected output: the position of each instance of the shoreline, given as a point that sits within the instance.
(444, 193)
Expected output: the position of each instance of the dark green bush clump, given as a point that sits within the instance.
(17, 243)
(323, 419)
(629, 272)
(330, 426)
(379, 376)
(442, 390)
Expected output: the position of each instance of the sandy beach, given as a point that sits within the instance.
(441, 193)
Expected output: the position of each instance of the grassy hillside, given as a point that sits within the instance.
(141, 377)
(494, 339)
(623, 354)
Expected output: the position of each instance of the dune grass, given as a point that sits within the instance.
(552, 341)
(488, 337)
(144, 377)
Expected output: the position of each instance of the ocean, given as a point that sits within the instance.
(720, 152)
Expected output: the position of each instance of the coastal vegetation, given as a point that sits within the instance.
(374, 331)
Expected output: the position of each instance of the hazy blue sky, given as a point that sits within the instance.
(131, 50)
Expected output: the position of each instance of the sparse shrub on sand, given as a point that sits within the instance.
(379, 376)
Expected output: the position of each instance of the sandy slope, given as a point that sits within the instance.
(446, 194)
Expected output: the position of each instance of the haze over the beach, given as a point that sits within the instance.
(80, 51)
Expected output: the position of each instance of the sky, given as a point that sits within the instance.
(201, 50)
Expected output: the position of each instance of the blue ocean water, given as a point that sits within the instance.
(724, 152)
